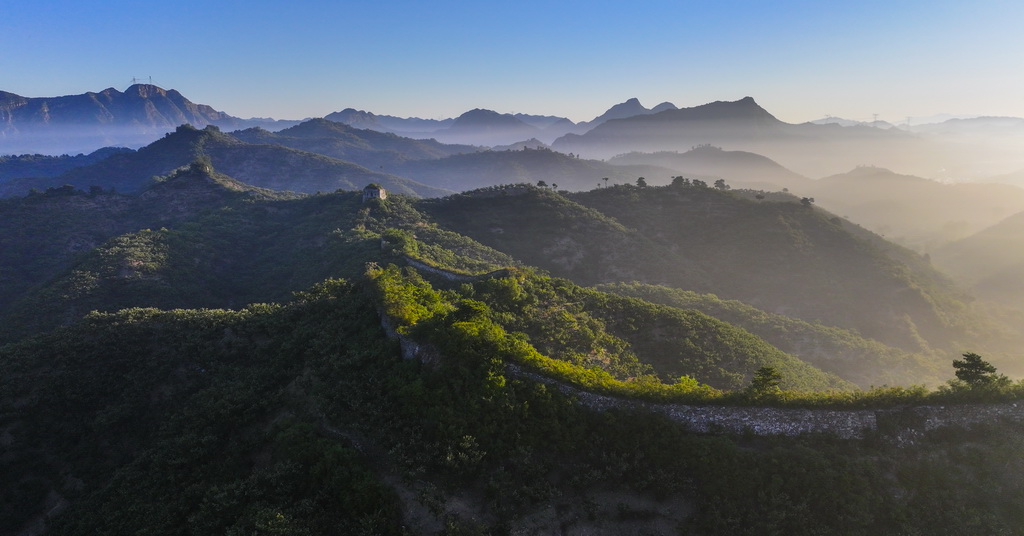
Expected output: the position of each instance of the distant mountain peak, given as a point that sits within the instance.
(90, 120)
(356, 118)
(664, 106)
(483, 118)
(146, 90)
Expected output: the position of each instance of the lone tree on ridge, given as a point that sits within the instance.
(975, 371)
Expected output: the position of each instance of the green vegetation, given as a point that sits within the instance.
(302, 419)
(625, 347)
(264, 396)
(805, 264)
(864, 362)
(183, 422)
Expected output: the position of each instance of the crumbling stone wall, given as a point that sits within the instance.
(758, 420)
(902, 423)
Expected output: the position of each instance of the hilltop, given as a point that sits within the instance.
(740, 169)
(368, 148)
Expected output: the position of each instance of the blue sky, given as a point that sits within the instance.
(799, 60)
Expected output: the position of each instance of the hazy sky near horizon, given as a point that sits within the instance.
(801, 60)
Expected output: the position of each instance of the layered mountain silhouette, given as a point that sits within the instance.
(630, 108)
(267, 166)
(487, 127)
(914, 211)
(409, 126)
(809, 149)
(738, 168)
(367, 147)
(990, 261)
(491, 168)
(83, 123)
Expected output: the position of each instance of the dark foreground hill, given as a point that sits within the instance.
(302, 418)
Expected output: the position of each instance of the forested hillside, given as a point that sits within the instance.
(205, 356)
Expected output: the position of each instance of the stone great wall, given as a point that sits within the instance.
(902, 422)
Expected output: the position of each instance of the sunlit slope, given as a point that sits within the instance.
(782, 257)
(629, 337)
(842, 352)
(990, 261)
(792, 259)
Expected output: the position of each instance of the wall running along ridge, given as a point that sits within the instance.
(903, 423)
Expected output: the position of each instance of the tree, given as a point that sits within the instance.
(641, 182)
(721, 185)
(807, 201)
(766, 380)
(554, 186)
(542, 184)
(975, 371)
(680, 180)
